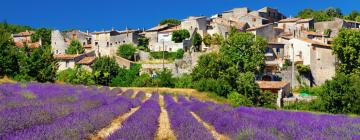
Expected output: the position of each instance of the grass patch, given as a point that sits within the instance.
(204, 96)
(28, 95)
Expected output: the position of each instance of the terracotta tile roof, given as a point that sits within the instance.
(172, 29)
(66, 56)
(30, 45)
(258, 27)
(26, 33)
(313, 42)
(88, 46)
(312, 33)
(272, 84)
(304, 20)
(289, 20)
(86, 61)
(160, 27)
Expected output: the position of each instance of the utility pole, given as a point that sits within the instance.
(292, 66)
(163, 54)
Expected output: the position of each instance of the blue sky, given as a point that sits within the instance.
(104, 14)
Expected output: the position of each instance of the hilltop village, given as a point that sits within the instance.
(292, 44)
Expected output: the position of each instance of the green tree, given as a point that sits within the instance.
(43, 34)
(179, 53)
(346, 46)
(217, 39)
(185, 81)
(143, 42)
(105, 69)
(126, 51)
(79, 75)
(75, 47)
(196, 41)
(353, 15)
(342, 94)
(334, 12)
(245, 51)
(143, 80)
(207, 39)
(170, 21)
(237, 99)
(164, 78)
(12, 28)
(8, 55)
(180, 35)
(37, 64)
(320, 15)
(126, 77)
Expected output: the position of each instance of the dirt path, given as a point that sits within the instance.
(210, 128)
(164, 131)
(115, 125)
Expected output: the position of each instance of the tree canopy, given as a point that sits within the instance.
(180, 35)
(8, 55)
(126, 51)
(196, 41)
(75, 47)
(321, 15)
(233, 69)
(104, 70)
(43, 34)
(346, 46)
(170, 21)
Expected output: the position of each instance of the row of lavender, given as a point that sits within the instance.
(141, 125)
(257, 123)
(59, 111)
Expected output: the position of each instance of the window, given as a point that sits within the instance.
(277, 50)
(66, 64)
(96, 43)
(254, 19)
(83, 43)
(57, 51)
(170, 49)
(107, 44)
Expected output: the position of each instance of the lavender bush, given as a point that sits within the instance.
(185, 126)
(142, 125)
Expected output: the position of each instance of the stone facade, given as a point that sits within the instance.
(335, 26)
(58, 44)
(316, 55)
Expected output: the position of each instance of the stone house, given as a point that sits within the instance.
(271, 14)
(161, 38)
(274, 58)
(23, 36)
(315, 54)
(60, 41)
(280, 88)
(253, 20)
(67, 61)
(266, 31)
(235, 13)
(335, 25)
(294, 25)
(195, 24)
(223, 26)
(107, 42)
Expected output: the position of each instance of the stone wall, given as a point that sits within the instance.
(58, 44)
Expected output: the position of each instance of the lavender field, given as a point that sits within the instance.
(37, 111)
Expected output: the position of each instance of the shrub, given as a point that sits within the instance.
(143, 80)
(126, 51)
(267, 99)
(75, 48)
(196, 41)
(79, 75)
(170, 21)
(104, 70)
(180, 35)
(179, 54)
(303, 69)
(237, 99)
(342, 94)
(164, 78)
(184, 81)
